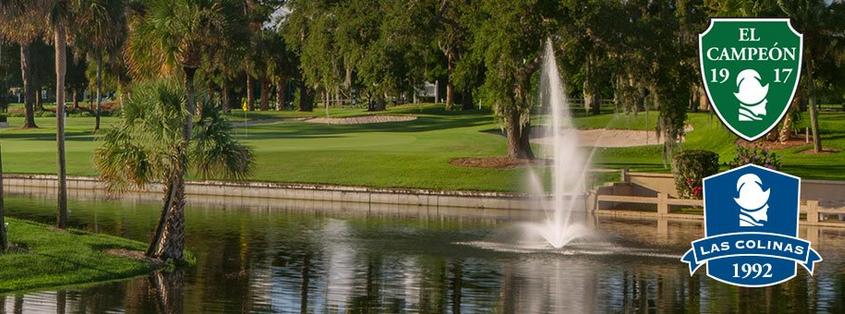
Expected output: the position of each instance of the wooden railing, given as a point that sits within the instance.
(663, 202)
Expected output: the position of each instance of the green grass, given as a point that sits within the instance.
(55, 258)
(412, 154)
(709, 133)
(406, 154)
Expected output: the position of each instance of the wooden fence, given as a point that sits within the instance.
(813, 213)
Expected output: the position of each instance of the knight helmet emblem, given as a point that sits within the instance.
(752, 200)
(751, 95)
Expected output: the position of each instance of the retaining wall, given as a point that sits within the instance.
(309, 192)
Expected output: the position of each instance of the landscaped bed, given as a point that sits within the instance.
(43, 257)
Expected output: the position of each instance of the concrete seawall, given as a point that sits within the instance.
(830, 194)
(308, 192)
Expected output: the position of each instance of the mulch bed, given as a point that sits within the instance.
(795, 141)
(773, 145)
(498, 162)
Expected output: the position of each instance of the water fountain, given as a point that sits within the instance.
(565, 209)
(564, 203)
(565, 227)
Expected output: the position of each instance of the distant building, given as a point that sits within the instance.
(430, 92)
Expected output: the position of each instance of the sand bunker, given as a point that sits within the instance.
(610, 138)
(362, 119)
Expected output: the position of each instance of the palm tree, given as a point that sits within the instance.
(253, 63)
(101, 30)
(813, 18)
(281, 64)
(22, 22)
(227, 61)
(148, 145)
(172, 38)
(59, 16)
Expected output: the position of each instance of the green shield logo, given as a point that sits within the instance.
(750, 68)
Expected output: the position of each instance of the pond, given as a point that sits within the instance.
(304, 257)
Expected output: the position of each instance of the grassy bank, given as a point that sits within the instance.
(51, 258)
(412, 154)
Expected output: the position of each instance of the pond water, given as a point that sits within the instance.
(305, 257)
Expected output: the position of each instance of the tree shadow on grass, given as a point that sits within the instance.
(69, 136)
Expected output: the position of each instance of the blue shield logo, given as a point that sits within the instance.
(751, 228)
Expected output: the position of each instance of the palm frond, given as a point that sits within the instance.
(146, 146)
(215, 152)
(122, 165)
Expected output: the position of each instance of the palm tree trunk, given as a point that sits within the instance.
(224, 91)
(785, 131)
(281, 87)
(4, 243)
(38, 99)
(450, 87)
(250, 98)
(28, 92)
(814, 110)
(347, 86)
(337, 97)
(152, 249)
(171, 244)
(75, 99)
(61, 60)
(265, 94)
(99, 90)
(305, 101)
(326, 101)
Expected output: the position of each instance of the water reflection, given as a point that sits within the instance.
(296, 258)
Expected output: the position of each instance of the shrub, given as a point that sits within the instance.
(2, 118)
(755, 155)
(689, 167)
